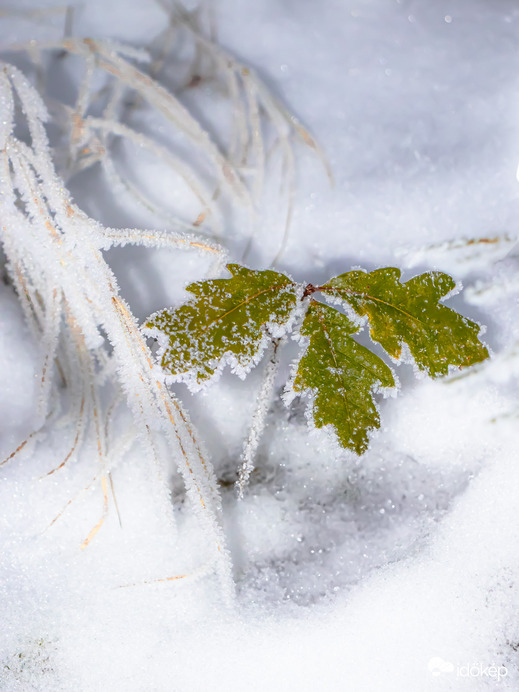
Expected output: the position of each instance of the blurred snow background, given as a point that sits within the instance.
(395, 571)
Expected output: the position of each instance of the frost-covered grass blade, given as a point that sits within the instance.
(71, 299)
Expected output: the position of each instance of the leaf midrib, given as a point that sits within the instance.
(374, 374)
(242, 303)
(344, 388)
(350, 291)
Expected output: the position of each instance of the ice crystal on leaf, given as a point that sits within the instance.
(343, 374)
(228, 319)
(411, 313)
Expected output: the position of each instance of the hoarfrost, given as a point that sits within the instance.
(263, 403)
(460, 256)
(55, 261)
(359, 570)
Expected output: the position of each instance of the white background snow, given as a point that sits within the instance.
(352, 573)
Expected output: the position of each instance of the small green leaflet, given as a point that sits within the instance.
(341, 374)
(227, 318)
(232, 320)
(410, 313)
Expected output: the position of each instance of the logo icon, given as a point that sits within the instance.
(437, 666)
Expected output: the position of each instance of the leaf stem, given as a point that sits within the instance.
(310, 288)
(258, 420)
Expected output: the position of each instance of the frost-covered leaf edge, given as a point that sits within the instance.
(310, 394)
(405, 353)
(270, 330)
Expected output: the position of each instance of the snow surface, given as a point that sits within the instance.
(397, 571)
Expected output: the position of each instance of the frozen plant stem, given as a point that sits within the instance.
(258, 420)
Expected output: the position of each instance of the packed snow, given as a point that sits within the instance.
(395, 571)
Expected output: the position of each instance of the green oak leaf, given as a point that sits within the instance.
(341, 375)
(226, 320)
(410, 313)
